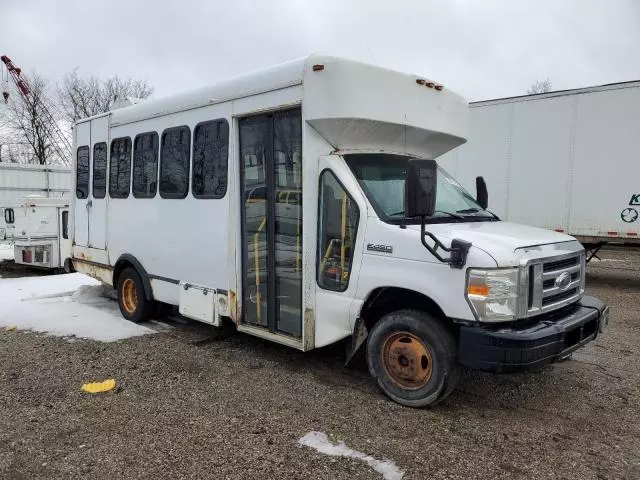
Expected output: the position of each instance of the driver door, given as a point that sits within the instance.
(341, 228)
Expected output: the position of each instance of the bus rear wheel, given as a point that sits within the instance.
(413, 358)
(133, 304)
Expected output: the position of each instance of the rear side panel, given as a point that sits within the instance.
(606, 173)
(540, 162)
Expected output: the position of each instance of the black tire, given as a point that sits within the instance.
(439, 367)
(143, 308)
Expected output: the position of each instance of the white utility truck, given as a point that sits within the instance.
(568, 161)
(38, 228)
(302, 203)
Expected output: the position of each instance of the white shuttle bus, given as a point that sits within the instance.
(302, 203)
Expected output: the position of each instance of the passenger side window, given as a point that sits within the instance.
(99, 170)
(82, 172)
(145, 165)
(65, 224)
(174, 162)
(338, 225)
(210, 157)
(9, 215)
(120, 168)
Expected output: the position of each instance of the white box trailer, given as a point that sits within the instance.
(18, 181)
(38, 228)
(567, 161)
(303, 204)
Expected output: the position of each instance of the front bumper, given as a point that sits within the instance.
(529, 345)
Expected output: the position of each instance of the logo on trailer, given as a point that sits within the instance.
(563, 280)
(629, 215)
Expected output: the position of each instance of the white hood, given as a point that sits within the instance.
(498, 239)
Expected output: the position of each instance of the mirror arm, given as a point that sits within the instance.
(459, 248)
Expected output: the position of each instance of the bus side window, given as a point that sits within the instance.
(210, 158)
(9, 215)
(338, 225)
(65, 224)
(82, 173)
(174, 162)
(99, 170)
(120, 168)
(145, 165)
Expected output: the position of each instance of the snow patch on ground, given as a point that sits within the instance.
(93, 294)
(320, 442)
(64, 305)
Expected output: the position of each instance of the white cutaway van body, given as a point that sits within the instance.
(38, 229)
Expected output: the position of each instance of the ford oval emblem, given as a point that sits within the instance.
(563, 280)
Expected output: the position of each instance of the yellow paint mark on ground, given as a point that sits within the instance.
(99, 387)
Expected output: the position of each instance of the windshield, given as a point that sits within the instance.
(383, 176)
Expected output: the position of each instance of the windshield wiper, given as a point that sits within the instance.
(478, 210)
(453, 215)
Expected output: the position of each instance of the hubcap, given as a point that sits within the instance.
(406, 360)
(129, 296)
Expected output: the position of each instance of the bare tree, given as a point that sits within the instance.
(31, 125)
(85, 97)
(540, 86)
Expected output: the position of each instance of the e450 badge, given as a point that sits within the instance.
(379, 247)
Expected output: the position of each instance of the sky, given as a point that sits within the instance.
(481, 49)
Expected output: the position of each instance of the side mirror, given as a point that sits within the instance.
(420, 190)
(482, 195)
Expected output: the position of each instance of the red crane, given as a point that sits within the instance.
(59, 142)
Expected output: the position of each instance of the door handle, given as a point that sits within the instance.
(89, 204)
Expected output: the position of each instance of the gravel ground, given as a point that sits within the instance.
(192, 406)
(9, 269)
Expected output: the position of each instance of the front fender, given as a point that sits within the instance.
(444, 285)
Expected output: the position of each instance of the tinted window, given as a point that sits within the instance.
(65, 224)
(338, 225)
(99, 170)
(174, 162)
(120, 168)
(210, 155)
(145, 165)
(9, 215)
(82, 172)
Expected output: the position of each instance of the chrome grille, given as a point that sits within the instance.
(555, 282)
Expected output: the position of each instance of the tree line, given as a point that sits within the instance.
(26, 127)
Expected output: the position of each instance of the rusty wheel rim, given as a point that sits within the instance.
(129, 296)
(407, 360)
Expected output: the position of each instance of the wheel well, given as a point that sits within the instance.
(117, 270)
(389, 299)
(126, 261)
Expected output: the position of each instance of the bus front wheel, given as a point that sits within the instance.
(413, 357)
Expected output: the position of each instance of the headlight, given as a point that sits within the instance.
(493, 294)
